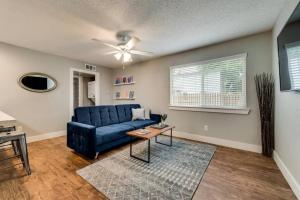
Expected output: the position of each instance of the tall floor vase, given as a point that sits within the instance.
(265, 94)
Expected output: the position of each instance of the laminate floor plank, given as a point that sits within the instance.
(232, 174)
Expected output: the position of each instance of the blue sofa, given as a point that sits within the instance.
(96, 129)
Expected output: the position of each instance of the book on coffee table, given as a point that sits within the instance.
(143, 131)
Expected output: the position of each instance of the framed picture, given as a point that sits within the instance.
(124, 79)
(131, 94)
(130, 79)
(118, 80)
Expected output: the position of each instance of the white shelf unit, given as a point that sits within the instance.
(125, 98)
(122, 96)
(120, 84)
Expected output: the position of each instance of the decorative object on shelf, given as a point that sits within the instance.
(37, 82)
(124, 80)
(118, 95)
(118, 80)
(131, 94)
(129, 79)
(124, 95)
(265, 94)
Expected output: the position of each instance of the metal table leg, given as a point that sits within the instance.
(131, 155)
(171, 139)
(19, 145)
(24, 153)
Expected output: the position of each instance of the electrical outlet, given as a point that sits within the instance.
(205, 127)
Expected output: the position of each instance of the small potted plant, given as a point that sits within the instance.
(163, 119)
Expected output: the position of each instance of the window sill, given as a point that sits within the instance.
(212, 110)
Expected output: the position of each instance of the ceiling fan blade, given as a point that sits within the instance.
(111, 52)
(143, 53)
(132, 42)
(107, 44)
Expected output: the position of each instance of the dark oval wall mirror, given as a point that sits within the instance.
(37, 82)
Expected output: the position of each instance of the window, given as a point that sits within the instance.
(218, 83)
(293, 54)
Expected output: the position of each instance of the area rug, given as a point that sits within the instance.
(173, 173)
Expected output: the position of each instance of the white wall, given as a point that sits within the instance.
(41, 113)
(152, 89)
(287, 110)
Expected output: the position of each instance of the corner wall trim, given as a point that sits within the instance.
(219, 141)
(295, 186)
(46, 136)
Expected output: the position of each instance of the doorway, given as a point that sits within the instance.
(84, 89)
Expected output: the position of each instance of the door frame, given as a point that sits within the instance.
(97, 88)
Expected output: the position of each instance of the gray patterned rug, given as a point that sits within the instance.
(174, 172)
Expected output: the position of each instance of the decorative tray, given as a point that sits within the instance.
(159, 126)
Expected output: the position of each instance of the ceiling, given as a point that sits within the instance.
(65, 27)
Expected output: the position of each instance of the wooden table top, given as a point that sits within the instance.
(153, 132)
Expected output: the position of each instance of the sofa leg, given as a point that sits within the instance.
(96, 156)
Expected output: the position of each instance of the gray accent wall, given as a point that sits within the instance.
(41, 113)
(152, 89)
(287, 108)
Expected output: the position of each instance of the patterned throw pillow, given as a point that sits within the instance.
(138, 113)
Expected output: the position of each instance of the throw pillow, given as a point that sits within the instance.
(138, 113)
(147, 113)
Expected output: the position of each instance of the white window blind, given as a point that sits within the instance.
(293, 54)
(218, 83)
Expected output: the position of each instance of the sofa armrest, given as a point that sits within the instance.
(82, 138)
(81, 125)
(73, 119)
(155, 117)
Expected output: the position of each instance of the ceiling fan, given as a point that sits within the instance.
(124, 49)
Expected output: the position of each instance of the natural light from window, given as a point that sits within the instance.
(218, 83)
(293, 54)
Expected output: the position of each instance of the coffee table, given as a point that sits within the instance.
(147, 137)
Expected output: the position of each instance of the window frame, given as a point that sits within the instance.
(244, 110)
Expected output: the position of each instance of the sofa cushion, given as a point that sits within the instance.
(113, 115)
(139, 123)
(124, 111)
(82, 115)
(95, 116)
(110, 133)
(103, 115)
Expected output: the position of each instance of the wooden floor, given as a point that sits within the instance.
(232, 174)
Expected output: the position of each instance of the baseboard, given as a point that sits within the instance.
(190, 136)
(46, 136)
(218, 141)
(295, 186)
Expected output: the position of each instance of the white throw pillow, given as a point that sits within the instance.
(138, 113)
(147, 113)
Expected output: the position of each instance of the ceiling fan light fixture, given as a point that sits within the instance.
(118, 55)
(127, 57)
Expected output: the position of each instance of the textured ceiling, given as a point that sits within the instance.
(65, 27)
